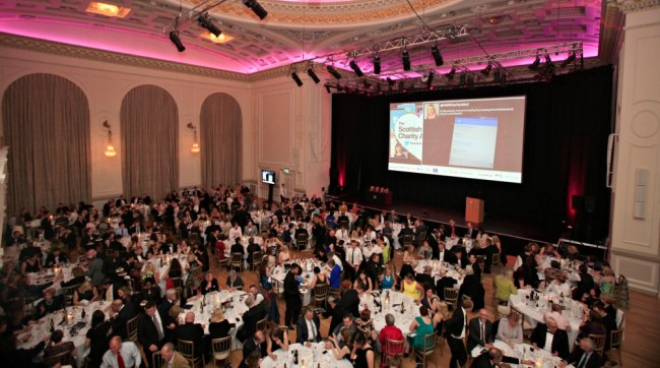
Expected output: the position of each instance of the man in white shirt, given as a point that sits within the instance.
(121, 355)
(258, 298)
(342, 234)
(235, 232)
(559, 286)
(354, 258)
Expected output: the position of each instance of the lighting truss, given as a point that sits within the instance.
(193, 13)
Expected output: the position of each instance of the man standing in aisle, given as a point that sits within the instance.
(456, 329)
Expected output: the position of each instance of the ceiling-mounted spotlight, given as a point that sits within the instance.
(461, 80)
(313, 75)
(390, 84)
(429, 80)
(486, 71)
(174, 37)
(570, 59)
(327, 88)
(535, 65)
(497, 75)
(402, 87)
(452, 72)
(205, 22)
(376, 64)
(405, 59)
(256, 8)
(297, 79)
(334, 72)
(356, 68)
(436, 55)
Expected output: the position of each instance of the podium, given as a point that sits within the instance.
(474, 210)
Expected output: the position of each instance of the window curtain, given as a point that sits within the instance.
(149, 142)
(220, 140)
(46, 124)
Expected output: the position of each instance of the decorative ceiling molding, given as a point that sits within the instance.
(341, 12)
(78, 52)
(632, 6)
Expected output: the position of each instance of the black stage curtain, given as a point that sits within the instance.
(568, 121)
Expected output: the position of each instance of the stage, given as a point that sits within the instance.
(515, 234)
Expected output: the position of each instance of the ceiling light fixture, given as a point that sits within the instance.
(452, 72)
(297, 79)
(256, 8)
(535, 65)
(334, 72)
(570, 59)
(405, 59)
(109, 10)
(174, 37)
(486, 71)
(356, 68)
(205, 22)
(313, 75)
(327, 88)
(376, 64)
(429, 80)
(436, 55)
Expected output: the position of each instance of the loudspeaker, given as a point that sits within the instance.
(577, 202)
(589, 204)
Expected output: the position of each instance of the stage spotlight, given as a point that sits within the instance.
(402, 87)
(390, 83)
(436, 55)
(313, 75)
(461, 80)
(535, 65)
(256, 8)
(334, 72)
(206, 23)
(486, 71)
(327, 88)
(570, 59)
(376, 64)
(174, 37)
(429, 80)
(356, 68)
(452, 72)
(497, 75)
(297, 79)
(405, 59)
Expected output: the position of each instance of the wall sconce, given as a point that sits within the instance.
(109, 148)
(195, 145)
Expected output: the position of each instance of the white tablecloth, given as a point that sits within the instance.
(42, 328)
(401, 320)
(534, 314)
(523, 352)
(437, 266)
(233, 313)
(307, 357)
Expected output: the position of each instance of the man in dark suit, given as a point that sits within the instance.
(472, 261)
(470, 232)
(544, 331)
(481, 331)
(254, 314)
(445, 282)
(309, 328)
(292, 296)
(124, 312)
(491, 359)
(456, 329)
(255, 342)
(584, 357)
(192, 331)
(348, 305)
(151, 332)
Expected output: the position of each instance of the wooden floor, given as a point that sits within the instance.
(640, 347)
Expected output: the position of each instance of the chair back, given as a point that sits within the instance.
(64, 358)
(301, 240)
(262, 324)
(277, 288)
(393, 348)
(321, 292)
(407, 240)
(616, 338)
(481, 260)
(429, 344)
(451, 296)
(68, 294)
(157, 359)
(132, 328)
(496, 259)
(599, 342)
(257, 257)
(187, 349)
(221, 348)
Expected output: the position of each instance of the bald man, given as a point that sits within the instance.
(549, 337)
(121, 355)
(191, 331)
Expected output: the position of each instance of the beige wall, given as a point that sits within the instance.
(635, 231)
(284, 126)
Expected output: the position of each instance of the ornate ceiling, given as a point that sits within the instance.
(299, 30)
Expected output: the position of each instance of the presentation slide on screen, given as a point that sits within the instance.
(472, 138)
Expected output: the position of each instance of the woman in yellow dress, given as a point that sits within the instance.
(412, 288)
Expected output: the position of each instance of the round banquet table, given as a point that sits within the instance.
(437, 266)
(235, 308)
(401, 320)
(42, 328)
(523, 352)
(534, 310)
(307, 357)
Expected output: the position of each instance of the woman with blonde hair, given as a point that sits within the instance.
(86, 291)
(284, 255)
(607, 281)
(504, 287)
(149, 271)
(219, 326)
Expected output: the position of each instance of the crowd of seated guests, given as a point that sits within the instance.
(377, 189)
